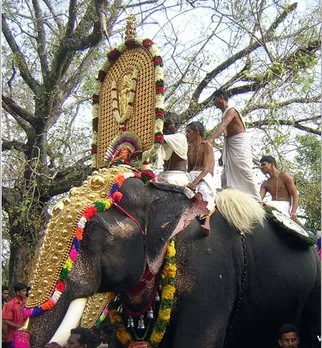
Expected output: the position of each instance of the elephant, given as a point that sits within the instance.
(234, 288)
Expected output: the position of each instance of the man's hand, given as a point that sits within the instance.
(53, 345)
(192, 185)
(295, 218)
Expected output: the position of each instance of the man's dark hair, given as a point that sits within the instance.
(222, 92)
(269, 159)
(4, 287)
(86, 336)
(20, 286)
(171, 118)
(286, 328)
(196, 125)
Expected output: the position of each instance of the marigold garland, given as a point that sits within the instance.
(87, 214)
(167, 299)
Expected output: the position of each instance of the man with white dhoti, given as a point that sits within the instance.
(237, 158)
(201, 163)
(281, 187)
(173, 154)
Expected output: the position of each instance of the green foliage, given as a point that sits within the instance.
(308, 178)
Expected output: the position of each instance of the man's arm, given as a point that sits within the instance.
(223, 125)
(293, 193)
(7, 316)
(10, 323)
(263, 190)
(208, 162)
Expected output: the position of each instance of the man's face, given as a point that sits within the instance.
(169, 128)
(22, 294)
(191, 135)
(219, 101)
(5, 294)
(289, 340)
(106, 337)
(265, 167)
(73, 342)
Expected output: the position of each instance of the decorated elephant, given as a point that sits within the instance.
(169, 286)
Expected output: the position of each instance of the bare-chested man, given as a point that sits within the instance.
(201, 163)
(236, 158)
(174, 152)
(281, 187)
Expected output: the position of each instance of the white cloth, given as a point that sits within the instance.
(283, 206)
(172, 143)
(206, 187)
(174, 177)
(237, 172)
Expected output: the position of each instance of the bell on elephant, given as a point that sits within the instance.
(130, 322)
(150, 314)
(141, 325)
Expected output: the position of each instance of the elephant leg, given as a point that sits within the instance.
(197, 326)
(311, 318)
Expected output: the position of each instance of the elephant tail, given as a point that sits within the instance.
(240, 210)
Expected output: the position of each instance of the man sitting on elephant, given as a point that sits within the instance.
(174, 152)
(201, 163)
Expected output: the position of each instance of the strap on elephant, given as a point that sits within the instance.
(236, 309)
(130, 217)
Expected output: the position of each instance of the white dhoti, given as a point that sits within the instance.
(283, 206)
(174, 177)
(238, 172)
(206, 187)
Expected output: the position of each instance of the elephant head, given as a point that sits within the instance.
(100, 240)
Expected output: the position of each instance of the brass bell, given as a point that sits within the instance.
(120, 309)
(141, 323)
(150, 314)
(130, 322)
(157, 297)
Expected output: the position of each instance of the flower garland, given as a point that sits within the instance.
(115, 100)
(159, 87)
(167, 299)
(88, 213)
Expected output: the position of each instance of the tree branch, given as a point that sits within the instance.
(19, 58)
(295, 124)
(247, 110)
(23, 117)
(41, 39)
(242, 53)
(14, 144)
(55, 16)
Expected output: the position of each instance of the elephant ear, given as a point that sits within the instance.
(168, 215)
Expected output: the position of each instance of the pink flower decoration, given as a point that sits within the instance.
(73, 254)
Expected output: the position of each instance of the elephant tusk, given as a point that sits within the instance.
(70, 321)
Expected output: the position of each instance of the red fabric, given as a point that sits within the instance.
(13, 311)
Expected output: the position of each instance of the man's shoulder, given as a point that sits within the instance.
(206, 145)
(284, 175)
(11, 302)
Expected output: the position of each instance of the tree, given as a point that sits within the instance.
(308, 178)
(268, 56)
